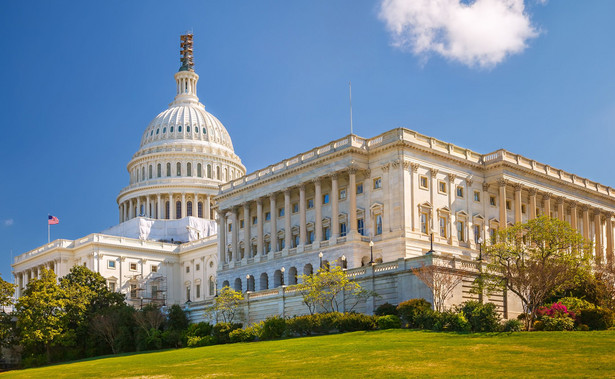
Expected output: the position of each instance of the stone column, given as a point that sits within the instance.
(518, 203)
(434, 224)
(247, 228)
(573, 215)
(138, 207)
(302, 221)
(206, 207)
(609, 239)
(415, 187)
(547, 204)
(318, 210)
(560, 209)
(532, 203)
(259, 226)
(485, 201)
(352, 197)
(585, 210)
(273, 214)
(147, 204)
(158, 206)
(171, 207)
(184, 210)
(598, 236)
(452, 219)
(235, 234)
(335, 223)
(502, 188)
(287, 227)
(120, 211)
(221, 238)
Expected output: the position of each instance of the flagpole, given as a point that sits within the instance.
(48, 232)
(350, 96)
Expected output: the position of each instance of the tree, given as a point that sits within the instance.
(227, 304)
(107, 324)
(441, 281)
(41, 312)
(606, 275)
(322, 290)
(7, 290)
(537, 259)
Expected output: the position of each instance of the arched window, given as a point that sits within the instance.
(164, 130)
(150, 173)
(179, 128)
(158, 131)
(178, 209)
(188, 129)
(159, 170)
(189, 169)
(199, 170)
(189, 208)
(307, 269)
(171, 130)
(218, 172)
(378, 224)
(196, 129)
(225, 284)
(292, 275)
(143, 173)
(238, 285)
(250, 283)
(200, 206)
(225, 177)
(204, 130)
(179, 169)
(166, 210)
(264, 282)
(212, 286)
(277, 278)
(168, 169)
(209, 171)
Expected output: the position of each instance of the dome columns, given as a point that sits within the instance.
(155, 206)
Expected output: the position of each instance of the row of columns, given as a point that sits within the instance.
(22, 278)
(130, 208)
(318, 237)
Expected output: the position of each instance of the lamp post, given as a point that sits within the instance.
(247, 282)
(480, 268)
(141, 298)
(320, 256)
(480, 248)
(431, 251)
(343, 262)
(282, 276)
(371, 252)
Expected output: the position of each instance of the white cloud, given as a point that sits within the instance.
(7, 222)
(476, 33)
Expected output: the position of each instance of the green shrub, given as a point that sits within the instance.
(300, 325)
(325, 323)
(582, 328)
(386, 309)
(556, 324)
(481, 317)
(597, 318)
(512, 325)
(222, 330)
(200, 329)
(413, 312)
(389, 322)
(574, 304)
(450, 321)
(243, 335)
(539, 325)
(274, 327)
(352, 322)
(197, 341)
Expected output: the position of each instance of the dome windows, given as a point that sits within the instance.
(179, 128)
(196, 129)
(171, 130)
(151, 133)
(164, 130)
(204, 130)
(188, 129)
(157, 131)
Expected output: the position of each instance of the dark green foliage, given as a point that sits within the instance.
(222, 330)
(512, 325)
(413, 312)
(176, 319)
(481, 317)
(243, 335)
(196, 341)
(597, 318)
(386, 309)
(450, 321)
(300, 325)
(389, 322)
(324, 323)
(273, 327)
(557, 324)
(352, 322)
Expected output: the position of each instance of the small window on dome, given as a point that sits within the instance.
(151, 133)
(157, 131)
(179, 129)
(188, 129)
(204, 130)
(171, 130)
(196, 129)
(164, 130)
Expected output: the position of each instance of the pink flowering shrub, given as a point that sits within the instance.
(556, 310)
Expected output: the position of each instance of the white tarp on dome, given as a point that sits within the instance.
(184, 230)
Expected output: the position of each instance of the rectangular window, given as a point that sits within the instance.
(325, 198)
(187, 269)
(477, 233)
(154, 268)
(342, 229)
(111, 264)
(282, 242)
(281, 212)
(230, 227)
(133, 291)
(311, 236)
(295, 207)
(187, 293)
(342, 194)
(378, 220)
(424, 218)
(361, 226)
(254, 220)
(326, 232)
(523, 209)
(443, 227)
(460, 192)
(508, 205)
(377, 183)
(198, 291)
(267, 216)
(111, 286)
(477, 196)
(359, 188)
(492, 201)
(492, 235)
(310, 203)
(267, 246)
(133, 267)
(295, 240)
(241, 224)
(155, 292)
(461, 227)
(423, 182)
(442, 187)
(198, 267)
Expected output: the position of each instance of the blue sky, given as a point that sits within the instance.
(81, 81)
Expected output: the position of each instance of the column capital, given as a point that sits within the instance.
(452, 177)
(502, 182)
(333, 175)
(547, 196)
(287, 192)
(434, 171)
(486, 187)
(560, 200)
(352, 170)
(518, 187)
(597, 212)
(315, 180)
(585, 208)
(533, 191)
(469, 180)
(385, 167)
(573, 204)
(395, 163)
(406, 164)
(302, 187)
(415, 166)
(259, 201)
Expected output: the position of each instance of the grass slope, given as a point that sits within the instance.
(390, 353)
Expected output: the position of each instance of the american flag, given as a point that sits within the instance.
(53, 220)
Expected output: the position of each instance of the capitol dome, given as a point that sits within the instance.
(184, 156)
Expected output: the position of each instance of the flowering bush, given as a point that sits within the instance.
(556, 310)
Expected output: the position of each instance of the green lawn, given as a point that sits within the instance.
(392, 353)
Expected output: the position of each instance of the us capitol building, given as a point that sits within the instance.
(191, 220)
